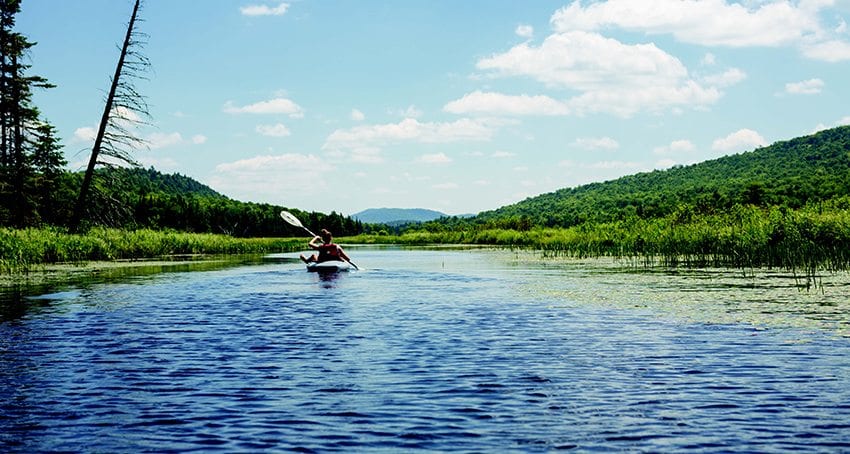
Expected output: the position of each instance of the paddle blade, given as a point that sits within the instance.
(288, 217)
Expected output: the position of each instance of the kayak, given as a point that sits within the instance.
(330, 266)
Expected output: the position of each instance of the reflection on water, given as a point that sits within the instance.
(29, 292)
(475, 351)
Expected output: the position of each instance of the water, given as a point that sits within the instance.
(436, 350)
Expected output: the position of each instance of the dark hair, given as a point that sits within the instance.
(326, 236)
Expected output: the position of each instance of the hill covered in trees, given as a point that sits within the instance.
(396, 216)
(788, 174)
(146, 198)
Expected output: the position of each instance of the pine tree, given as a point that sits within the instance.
(47, 162)
(19, 120)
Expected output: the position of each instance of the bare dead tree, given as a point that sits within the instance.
(125, 108)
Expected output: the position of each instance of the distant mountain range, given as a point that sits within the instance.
(397, 215)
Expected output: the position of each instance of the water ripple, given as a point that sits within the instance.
(439, 351)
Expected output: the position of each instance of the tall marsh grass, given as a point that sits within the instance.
(21, 250)
(809, 240)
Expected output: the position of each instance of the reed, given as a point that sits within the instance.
(21, 250)
(811, 239)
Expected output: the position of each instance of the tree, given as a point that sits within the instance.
(125, 106)
(19, 121)
(47, 162)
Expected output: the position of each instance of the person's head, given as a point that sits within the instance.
(326, 236)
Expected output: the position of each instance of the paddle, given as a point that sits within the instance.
(292, 220)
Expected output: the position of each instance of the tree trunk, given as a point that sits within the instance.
(87, 179)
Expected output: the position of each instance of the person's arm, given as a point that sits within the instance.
(342, 254)
(313, 243)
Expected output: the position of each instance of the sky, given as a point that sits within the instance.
(456, 106)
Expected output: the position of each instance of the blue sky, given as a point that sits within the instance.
(454, 106)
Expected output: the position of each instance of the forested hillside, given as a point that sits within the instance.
(394, 216)
(131, 198)
(791, 174)
(147, 198)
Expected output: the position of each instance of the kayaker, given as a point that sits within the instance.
(328, 251)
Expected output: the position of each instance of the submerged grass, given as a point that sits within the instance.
(21, 250)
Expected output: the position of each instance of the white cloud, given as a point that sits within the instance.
(85, 134)
(708, 60)
(163, 164)
(665, 163)
(446, 186)
(275, 130)
(500, 104)
(272, 164)
(410, 111)
(587, 61)
(163, 140)
(366, 155)
(831, 51)
(271, 177)
(434, 158)
(627, 102)
(614, 165)
(410, 130)
(676, 148)
(153, 141)
(502, 154)
(596, 143)
(741, 140)
(272, 106)
(715, 23)
(357, 115)
(612, 76)
(126, 115)
(264, 10)
(728, 78)
(806, 87)
(842, 122)
(524, 31)
(705, 22)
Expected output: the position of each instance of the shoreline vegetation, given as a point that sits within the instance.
(805, 241)
(24, 250)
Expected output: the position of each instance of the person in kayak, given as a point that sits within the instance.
(327, 250)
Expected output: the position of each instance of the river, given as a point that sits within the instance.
(429, 349)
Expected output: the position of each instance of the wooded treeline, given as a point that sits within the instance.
(135, 198)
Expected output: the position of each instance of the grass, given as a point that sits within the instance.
(809, 240)
(22, 250)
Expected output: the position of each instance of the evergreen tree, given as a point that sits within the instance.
(47, 162)
(19, 121)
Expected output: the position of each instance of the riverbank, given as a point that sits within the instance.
(808, 240)
(805, 241)
(27, 249)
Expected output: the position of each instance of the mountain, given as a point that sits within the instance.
(145, 198)
(790, 173)
(150, 180)
(397, 215)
